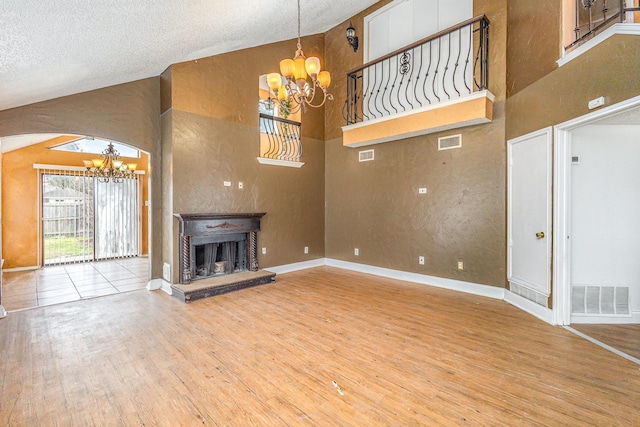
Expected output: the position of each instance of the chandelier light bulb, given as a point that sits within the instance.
(312, 65)
(274, 80)
(324, 79)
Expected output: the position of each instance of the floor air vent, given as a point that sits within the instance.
(530, 294)
(365, 156)
(600, 300)
(449, 142)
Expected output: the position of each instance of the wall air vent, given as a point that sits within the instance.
(600, 300)
(365, 156)
(450, 142)
(575, 160)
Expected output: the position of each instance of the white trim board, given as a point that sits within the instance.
(159, 284)
(288, 268)
(620, 28)
(438, 282)
(276, 162)
(633, 318)
(529, 306)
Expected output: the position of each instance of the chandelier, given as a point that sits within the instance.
(110, 167)
(297, 92)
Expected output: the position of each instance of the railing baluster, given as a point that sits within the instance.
(426, 77)
(393, 85)
(455, 67)
(415, 92)
(365, 89)
(466, 62)
(446, 67)
(407, 87)
(435, 72)
(386, 87)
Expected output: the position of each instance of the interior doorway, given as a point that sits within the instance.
(596, 227)
(574, 206)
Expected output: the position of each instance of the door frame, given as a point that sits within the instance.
(546, 133)
(562, 205)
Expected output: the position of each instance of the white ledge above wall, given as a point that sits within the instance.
(625, 29)
(469, 110)
(276, 162)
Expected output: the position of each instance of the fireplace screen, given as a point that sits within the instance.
(217, 258)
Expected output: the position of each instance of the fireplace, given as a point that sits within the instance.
(217, 254)
(217, 244)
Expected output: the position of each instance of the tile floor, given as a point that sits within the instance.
(71, 282)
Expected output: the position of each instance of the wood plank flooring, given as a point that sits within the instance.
(625, 338)
(402, 354)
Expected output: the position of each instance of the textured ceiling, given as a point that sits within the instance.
(53, 48)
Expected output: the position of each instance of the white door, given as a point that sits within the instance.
(529, 214)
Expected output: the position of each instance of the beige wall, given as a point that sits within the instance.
(211, 135)
(375, 206)
(609, 69)
(534, 43)
(20, 198)
(129, 113)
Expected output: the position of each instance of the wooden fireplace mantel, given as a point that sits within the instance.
(217, 223)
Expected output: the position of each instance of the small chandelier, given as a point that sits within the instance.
(110, 167)
(297, 92)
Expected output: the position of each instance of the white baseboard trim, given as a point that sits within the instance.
(35, 267)
(529, 306)
(606, 320)
(439, 282)
(288, 268)
(159, 284)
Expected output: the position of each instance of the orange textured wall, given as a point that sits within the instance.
(20, 198)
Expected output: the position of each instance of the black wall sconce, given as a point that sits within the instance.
(352, 38)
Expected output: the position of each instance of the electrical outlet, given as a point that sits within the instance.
(306, 249)
(240, 185)
(422, 190)
(264, 251)
(421, 260)
(460, 265)
(227, 183)
(356, 252)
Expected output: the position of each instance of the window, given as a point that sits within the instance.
(96, 146)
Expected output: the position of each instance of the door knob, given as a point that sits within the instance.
(540, 235)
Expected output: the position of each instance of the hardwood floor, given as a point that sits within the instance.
(401, 353)
(625, 338)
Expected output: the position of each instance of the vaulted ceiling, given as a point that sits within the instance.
(55, 48)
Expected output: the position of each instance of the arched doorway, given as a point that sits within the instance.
(33, 169)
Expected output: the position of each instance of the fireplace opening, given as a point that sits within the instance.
(211, 257)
